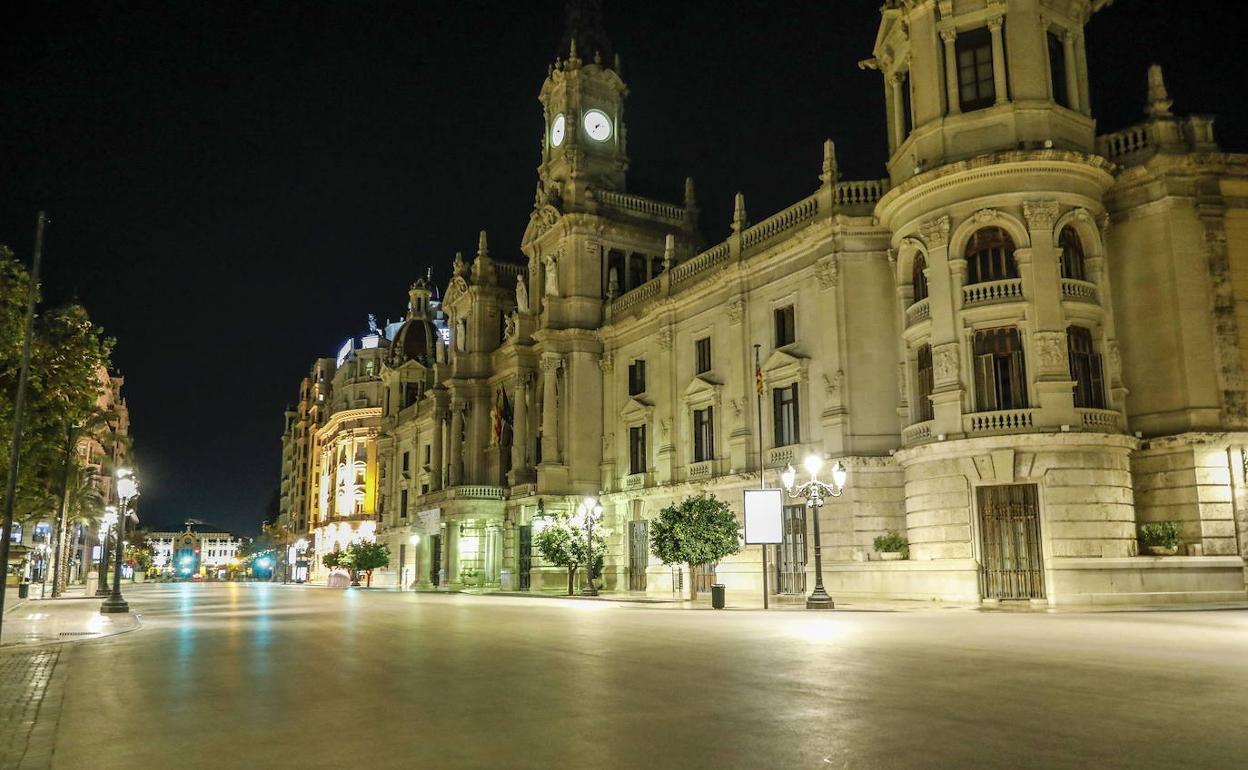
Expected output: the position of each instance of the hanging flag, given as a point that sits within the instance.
(758, 377)
(496, 418)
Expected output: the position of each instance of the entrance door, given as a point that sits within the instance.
(791, 552)
(638, 555)
(704, 576)
(435, 559)
(525, 561)
(1009, 526)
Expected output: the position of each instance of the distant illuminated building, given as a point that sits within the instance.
(194, 551)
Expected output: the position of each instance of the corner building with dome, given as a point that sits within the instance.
(1024, 344)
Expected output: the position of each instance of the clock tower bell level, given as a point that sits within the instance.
(583, 145)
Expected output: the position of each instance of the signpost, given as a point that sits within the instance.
(763, 523)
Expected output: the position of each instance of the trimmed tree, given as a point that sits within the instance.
(700, 530)
(562, 542)
(366, 557)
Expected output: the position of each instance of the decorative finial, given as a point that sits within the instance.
(828, 175)
(572, 58)
(1159, 102)
(483, 247)
(738, 213)
(691, 199)
(458, 266)
(669, 252)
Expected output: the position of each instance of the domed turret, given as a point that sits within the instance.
(417, 338)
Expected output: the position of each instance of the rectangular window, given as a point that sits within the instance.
(403, 504)
(424, 489)
(407, 462)
(703, 435)
(907, 104)
(1057, 69)
(786, 331)
(976, 85)
(428, 448)
(924, 384)
(1085, 369)
(1000, 374)
(784, 415)
(637, 449)
(702, 355)
(637, 377)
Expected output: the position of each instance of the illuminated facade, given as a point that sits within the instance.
(187, 553)
(1025, 343)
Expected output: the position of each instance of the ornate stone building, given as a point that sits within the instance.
(1024, 343)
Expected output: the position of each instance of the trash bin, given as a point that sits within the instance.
(717, 595)
(23, 590)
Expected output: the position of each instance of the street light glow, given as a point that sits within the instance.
(813, 463)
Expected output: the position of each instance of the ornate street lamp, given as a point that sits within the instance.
(106, 527)
(127, 490)
(813, 492)
(589, 510)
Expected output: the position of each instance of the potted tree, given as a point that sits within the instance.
(1160, 538)
(891, 546)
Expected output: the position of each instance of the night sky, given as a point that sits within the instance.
(235, 186)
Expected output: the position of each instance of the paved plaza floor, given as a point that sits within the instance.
(259, 675)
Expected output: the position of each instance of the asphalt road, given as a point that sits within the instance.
(265, 676)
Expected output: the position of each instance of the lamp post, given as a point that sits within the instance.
(589, 510)
(813, 492)
(110, 518)
(127, 490)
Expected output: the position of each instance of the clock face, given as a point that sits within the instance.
(597, 125)
(557, 129)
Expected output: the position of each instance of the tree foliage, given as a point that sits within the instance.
(700, 530)
(359, 557)
(67, 354)
(563, 543)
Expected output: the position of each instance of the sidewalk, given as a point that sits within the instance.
(73, 617)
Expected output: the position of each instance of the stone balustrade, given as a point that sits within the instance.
(1123, 142)
(862, 192)
(779, 223)
(1081, 291)
(1106, 420)
(636, 204)
(919, 311)
(1008, 290)
(917, 433)
(1007, 421)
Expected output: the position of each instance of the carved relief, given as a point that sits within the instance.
(736, 311)
(551, 362)
(1040, 215)
(607, 362)
(832, 385)
(935, 232)
(665, 427)
(902, 387)
(1115, 362)
(945, 362)
(827, 272)
(664, 338)
(985, 217)
(1051, 350)
(552, 276)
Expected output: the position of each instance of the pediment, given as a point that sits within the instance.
(701, 390)
(636, 411)
(783, 366)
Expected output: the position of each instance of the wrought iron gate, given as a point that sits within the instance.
(791, 552)
(1009, 526)
(525, 548)
(638, 555)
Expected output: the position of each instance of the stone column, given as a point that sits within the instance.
(520, 427)
(550, 407)
(998, 59)
(1047, 364)
(457, 443)
(899, 106)
(951, 70)
(1072, 74)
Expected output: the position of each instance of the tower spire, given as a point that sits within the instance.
(1159, 102)
(584, 35)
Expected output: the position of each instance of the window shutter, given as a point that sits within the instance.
(1097, 400)
(1018, 382)
(985, 384)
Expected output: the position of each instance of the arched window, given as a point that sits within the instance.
(990, 256)
(918, 278)
(1072, 254)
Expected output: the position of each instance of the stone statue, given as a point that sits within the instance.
(509, 325)
(552, 277)
(522, 295)
(461, 334)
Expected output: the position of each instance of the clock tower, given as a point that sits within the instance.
(583, 145)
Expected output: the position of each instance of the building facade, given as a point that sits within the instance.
(192, 552)
(1024, 344)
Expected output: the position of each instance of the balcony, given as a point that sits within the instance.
(782, 455)
(635, 481)
(702, 470)
(1010, 290)
(1079, 291)
(919, 311)
(1103, 420)
(1008, 421)
(918, 433)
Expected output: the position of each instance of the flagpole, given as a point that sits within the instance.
(762, 473)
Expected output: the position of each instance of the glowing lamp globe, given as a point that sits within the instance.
(839, 475)
(788, 476)
(813, 463)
